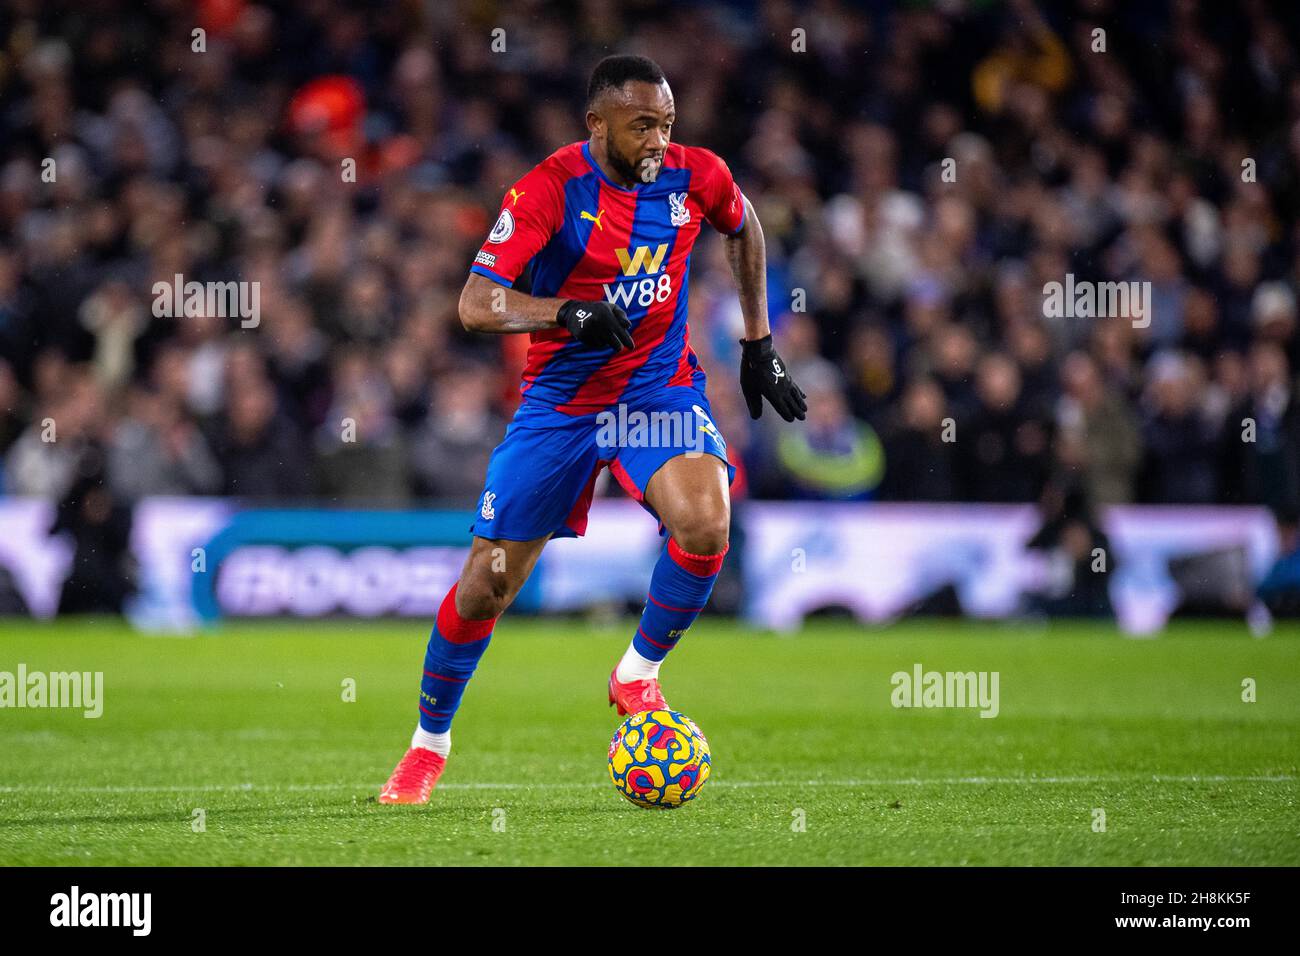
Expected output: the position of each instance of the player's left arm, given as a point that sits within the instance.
(763, 374)
(747, 256)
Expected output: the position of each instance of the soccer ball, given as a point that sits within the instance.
(658, 759)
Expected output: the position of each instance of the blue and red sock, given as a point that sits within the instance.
(679, 589)
(455, 647)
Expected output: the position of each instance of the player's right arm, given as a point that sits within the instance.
(488, 306)
(531, 213)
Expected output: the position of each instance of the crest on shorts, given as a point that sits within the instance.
(677, 210)
(487, 512)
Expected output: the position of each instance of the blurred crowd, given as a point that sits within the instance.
(922, 171)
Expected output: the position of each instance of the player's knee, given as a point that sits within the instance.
(708, 534)
(483, 594)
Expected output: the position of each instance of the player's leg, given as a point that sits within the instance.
(493, 574)
(689, 494)
(538, 485)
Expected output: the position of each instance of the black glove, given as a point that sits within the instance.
(764, 375)
(597, 325)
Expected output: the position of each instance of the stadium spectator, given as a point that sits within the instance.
(450, 451)
(360, 447)
(261, 452)
(1077, 561)
(1260, 450)
(45, 458)
(1179, 442)
(1003, 446)
(13, 414)
(872, 372)
(831, 455)
(155, 449)
(1098, 437)
(919, 457)
(102, 575)
(915, 200)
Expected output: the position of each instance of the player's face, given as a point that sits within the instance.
(637, 127)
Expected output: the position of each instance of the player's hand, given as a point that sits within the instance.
(764, 375)
(598, 325)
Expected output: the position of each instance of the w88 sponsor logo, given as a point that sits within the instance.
(643, 292)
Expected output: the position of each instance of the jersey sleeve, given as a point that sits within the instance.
(531, 213)
(724, 206)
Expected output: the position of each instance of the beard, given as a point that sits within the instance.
(646, 171)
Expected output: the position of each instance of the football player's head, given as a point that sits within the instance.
(630, 112)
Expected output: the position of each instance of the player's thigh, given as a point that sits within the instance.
(690, 495)
(538, 480)
(681, 473)
(495, 571)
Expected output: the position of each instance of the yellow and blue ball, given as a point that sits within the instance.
(658, 759)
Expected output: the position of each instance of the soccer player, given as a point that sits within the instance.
(606, 228)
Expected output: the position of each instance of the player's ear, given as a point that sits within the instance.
(595, 125)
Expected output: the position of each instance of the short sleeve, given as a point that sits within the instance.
(724, 206)
(530, 215)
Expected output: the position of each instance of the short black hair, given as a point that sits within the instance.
(613, 71)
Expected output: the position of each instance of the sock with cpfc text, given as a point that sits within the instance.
(679, 589)
(455, 647)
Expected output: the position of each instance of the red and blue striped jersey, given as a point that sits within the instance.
(587, 238)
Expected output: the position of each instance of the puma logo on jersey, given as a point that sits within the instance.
(515, 197)
(596, 218)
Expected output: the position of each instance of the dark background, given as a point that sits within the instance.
(923, 298)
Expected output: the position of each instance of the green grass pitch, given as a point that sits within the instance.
(250, 726)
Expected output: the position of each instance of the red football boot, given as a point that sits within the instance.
(413, 778)
(635, 696)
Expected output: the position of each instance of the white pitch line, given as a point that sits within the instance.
(742, 784)
(950, 781)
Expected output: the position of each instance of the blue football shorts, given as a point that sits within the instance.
(541, 477)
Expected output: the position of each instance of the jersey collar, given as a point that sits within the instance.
(591, 161)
